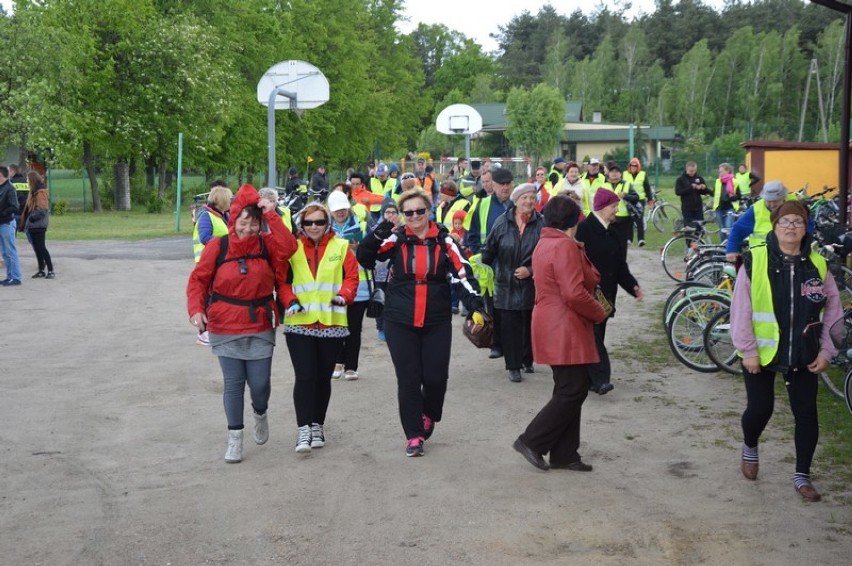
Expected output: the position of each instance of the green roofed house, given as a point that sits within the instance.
(580, 139)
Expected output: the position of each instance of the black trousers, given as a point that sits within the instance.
(349, 353)
(556, 428)
(313, 362)
(516, 330)
(601, 372)
(37, 240)
(623, 226)
(496, 337)
(421, 359)
(802, 392)
(639, 222)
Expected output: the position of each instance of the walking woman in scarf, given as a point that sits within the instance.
(726, 198)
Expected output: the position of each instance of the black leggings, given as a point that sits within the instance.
(802, 392)
(421, 359)
(351, 349)
(37, 239)
(313, 363)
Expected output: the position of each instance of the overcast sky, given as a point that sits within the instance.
(478, 18)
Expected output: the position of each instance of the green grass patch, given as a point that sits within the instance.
(113, 225)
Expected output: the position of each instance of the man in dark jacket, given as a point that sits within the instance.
(607, 251)
(690, 187)
(8, 211)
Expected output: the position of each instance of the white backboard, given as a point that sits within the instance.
(298, 77)
(458, 119)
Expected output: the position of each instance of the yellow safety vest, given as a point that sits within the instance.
(766, 328)
(467, 186)
(620, 189)
(286, 217)
(559, 174)
(480, 207)
(379, 188)
(315, 294)
(762, 222)
(483, 273)
(636, 183)
(743, 181)
(445, 216)
(589, 190)
(717, 196)
(219, 229)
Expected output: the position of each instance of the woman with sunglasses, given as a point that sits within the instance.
(230, 293)
(323, 281)
(424, 263)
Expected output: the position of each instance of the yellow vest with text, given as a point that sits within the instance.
(717, 196)
(315, 294)
(219, 229)
(763, 321)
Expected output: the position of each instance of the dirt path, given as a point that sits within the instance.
(113, 436)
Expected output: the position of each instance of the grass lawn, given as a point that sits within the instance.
(114, 225)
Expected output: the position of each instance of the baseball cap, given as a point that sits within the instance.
(594, 161)
(338, 201)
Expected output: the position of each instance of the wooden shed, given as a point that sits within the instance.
(796, 164)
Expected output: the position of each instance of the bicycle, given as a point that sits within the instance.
(687, 321)
(838, 379)
(681, 248)
(664, 216)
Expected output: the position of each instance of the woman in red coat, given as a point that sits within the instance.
(230, 293)
(562, 336)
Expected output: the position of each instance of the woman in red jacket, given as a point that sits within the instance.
(562, 336)
(323, 281)
(230, 294)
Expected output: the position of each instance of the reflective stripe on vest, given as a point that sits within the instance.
(315, 294)
(717, 196)
(219, 229)
(766, 329)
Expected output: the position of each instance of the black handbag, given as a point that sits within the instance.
(376, 302)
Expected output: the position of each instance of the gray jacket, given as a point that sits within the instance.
(506, 250)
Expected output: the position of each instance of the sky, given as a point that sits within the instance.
(477, 18)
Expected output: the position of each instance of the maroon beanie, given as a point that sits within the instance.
(604, 198)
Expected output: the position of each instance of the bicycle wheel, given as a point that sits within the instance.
(847, 388)
(711, 226)
(686, 330)
(666, 218)
(718, 345)
(833, 379)
(680, 293)
(675, 255)
(710, 272)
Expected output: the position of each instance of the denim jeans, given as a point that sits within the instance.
(9, 251)
(725, 219)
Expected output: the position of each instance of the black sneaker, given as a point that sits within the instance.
(414, 447)
(50, 275)
(39, 274)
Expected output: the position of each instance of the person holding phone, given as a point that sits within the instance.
(785, 302)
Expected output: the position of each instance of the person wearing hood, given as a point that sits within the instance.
(323, 281)
(637, 180)
(231, 293)
(784, 305)
(346, 225)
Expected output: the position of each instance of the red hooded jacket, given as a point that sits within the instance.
(261, 279)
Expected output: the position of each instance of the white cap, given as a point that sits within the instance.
(338, 201)
(594, 161)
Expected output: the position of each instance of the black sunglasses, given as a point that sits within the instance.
(417, 211)
(314, 222)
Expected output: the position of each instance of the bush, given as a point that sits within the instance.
(60, 207)
(155, 204)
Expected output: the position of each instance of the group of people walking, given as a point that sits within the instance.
(550, 264)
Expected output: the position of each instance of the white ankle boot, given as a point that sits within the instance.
(234, 453)
(261, 429)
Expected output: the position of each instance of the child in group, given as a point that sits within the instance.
(458, 232)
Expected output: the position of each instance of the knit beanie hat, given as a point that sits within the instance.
(460, 215)
(604, 198)
(773, 190)
(790, 207)
(521, 190)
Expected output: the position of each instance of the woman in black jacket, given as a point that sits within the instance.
(508, 250)
(424, 263)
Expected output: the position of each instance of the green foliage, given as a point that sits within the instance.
(59, 207)
(536, 119)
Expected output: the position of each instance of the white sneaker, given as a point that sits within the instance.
(350, 375)
(203, 339)
(261, 429)
(317, 436)
(338, 371)
(303, 443)
(234, 453)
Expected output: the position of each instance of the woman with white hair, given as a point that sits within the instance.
(508, 250)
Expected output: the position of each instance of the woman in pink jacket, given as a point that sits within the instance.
(562, 336)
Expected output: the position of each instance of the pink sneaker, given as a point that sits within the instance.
(414, 447)
(428, 427)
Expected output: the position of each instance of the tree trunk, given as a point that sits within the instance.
(89, 165)
(122, 185)
(163, 178)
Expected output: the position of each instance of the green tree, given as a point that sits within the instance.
(536, 119)
(692, 81)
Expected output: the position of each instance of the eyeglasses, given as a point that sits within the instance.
(417, 211)
(322, 222)
(392, 212)
(791, 223)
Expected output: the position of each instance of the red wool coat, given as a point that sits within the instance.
(565, 309)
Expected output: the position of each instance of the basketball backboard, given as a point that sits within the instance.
(307, 85)
(458, 119)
